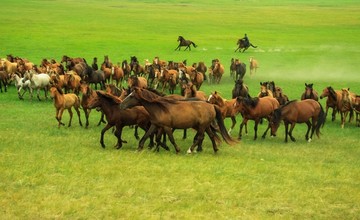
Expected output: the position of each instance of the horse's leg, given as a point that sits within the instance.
(286, 131)
(267, 129)
(149, 132)
(310, 126)
(101, 119)
(256, 128)
(107, 127)
(171, 138)
(184, 134)
(38, 94)
(244, 122)
(87, 113)
(211, 135)
(333, 115)
(59, 113)
(291, 130)
(78, 114)
(233, 120)
(118, 133)
(161, 133)
(136, 133)
(342, 119)
(199, 138)
(71, 115)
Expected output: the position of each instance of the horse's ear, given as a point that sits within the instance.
(348, 89)
(306, 85)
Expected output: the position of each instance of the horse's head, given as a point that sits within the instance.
(215, 98)
(133, 99)
(180, 38)
(275, 121)
(85, 89)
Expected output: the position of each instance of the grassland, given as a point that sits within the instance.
(51, 173)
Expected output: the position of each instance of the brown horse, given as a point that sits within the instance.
(135, 81)
(226, 107)
(65, 101)
(216, 71)
(280, 96)
(118, 75)
(346, 107)
(185, 43)
(299, 112)
(115, 116)
(87, 94)
(264, 90)
(168, 114)
(190, 91)
(333, 100)
(255, 109)
(243, 45)
(197, 78)
(309, 92)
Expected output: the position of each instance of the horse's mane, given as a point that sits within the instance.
(251, 101)
(332, 93)
(111, 98)
(151, 95)
(59, 90)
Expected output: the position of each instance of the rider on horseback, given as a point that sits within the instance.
(246, 40)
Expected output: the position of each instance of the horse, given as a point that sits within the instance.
(243, 45)
(226, 106)
(117, 117)
(3, 80)
(190, 91)
(135, 81)
(126, 68)
(240, 70)
(240, 89)
(299, 112)
(118, 75)
(65, 101)
(333, 100)
(185, 43)
(309, 92)
(216, 71)
(168, 114)
(20, 84)
(280, 96)
(95, 77)
(72, 82)
(197, 78)
(37, 81)
(233, 67)
(9, 67)
(108, 72)
(356, 108)
(346, 107)
(253, 65)
(255, 109)
(87, 94)
(264, 90)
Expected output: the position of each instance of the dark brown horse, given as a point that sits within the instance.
(240, 89)
(243, 45)
(256, 109)
(115, 116)
(299, 112)
(167, 114)
(184, 43)
(309, 92)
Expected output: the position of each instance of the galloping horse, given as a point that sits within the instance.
(255, 109)
(280, 96)
(134, 81)
(253, 65)
(226, 106)
(347, 100)
(168, 114)
(216, 71)
(190, 91)
(299, 112)
(333, 100)
(240, 89)
(264, 90)
(65, 101)
(184, 43)
(243, 45)
(115, 116)
(240, 70)
(309, 92)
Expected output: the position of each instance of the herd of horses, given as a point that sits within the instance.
(143, 102)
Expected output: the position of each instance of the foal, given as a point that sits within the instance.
(65, 101)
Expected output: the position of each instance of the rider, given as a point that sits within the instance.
(246, 40)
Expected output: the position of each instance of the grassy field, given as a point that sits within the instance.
(51, 173)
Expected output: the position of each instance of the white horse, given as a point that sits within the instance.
(38, 81)
(20, 85)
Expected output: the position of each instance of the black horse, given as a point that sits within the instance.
(240, 89)
(185, 43)
(243, 44)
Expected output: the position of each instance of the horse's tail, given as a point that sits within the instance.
(220, 121)
(253, 45)
(193, 44)
(321, 120)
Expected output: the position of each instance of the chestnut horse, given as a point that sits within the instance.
(65, 101)
(167, 114)
(115, 116)
(333, 100)
(226, 107)
(299, 112)
(185, 43)
(256, 109)
(346, 107)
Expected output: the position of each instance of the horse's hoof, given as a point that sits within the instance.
(189, 151)
(309, 140)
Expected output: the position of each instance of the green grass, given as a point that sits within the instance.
(51, 173)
